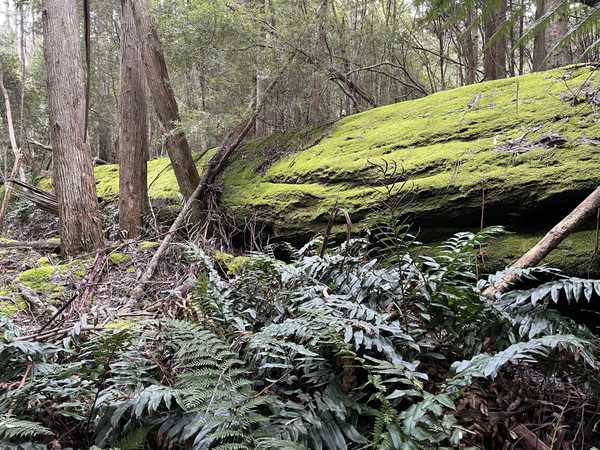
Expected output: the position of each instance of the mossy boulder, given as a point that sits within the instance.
(521, 147)
(40, 279)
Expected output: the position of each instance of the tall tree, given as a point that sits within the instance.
(494, 53)
(133, 134)
(164, 101)
(79, 222)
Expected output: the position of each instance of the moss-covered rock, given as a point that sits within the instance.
(450, 147)
(39, 279)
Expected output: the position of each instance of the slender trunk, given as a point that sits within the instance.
(470, 51)
(133, 133)
(164, 101)
(549, 242)
(555, 31)
(539, 42)
(79, 222)
(320, 37)
(494, 55)
(8, 186)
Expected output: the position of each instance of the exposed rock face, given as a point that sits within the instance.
(526, 148)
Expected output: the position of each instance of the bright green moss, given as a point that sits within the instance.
(117, 258)
(39, 279)
(10, 305)
(447, 150)
(148, 245)
(574, 256)
(120, 324)
(43, 261)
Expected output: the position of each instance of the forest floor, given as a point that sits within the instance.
(52, 299)
(36, 283)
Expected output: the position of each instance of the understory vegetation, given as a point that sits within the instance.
(354, 346)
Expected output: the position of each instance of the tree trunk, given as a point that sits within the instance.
(133, 134)
(555, 31)
(549, 242)
(79, 223)
(8, 186)
(164, 101)
(494, 55)
(539, 42)
(470, 50)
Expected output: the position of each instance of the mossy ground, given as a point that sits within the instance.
(117, 258)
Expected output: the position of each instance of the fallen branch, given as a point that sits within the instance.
(8, 190)
(37, 245)
(40, 145)
(34, 300)
(213, 169)
(548, 243)
(528, 439)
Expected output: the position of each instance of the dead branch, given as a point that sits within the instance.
(213, 169)
(34, 300)
(39, 145)
(548, 243)
(37, 245)
(8, 190)
(42, 199)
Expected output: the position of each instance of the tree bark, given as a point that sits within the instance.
(164, 101)
(549, 242)
(539, 42)
(470, 50)
(133, 134)
(8, 186)
(494, 55)
(79, 223)
(554, 32)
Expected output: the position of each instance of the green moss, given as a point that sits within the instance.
(117, 258)
(39, 279)
(148, 245)
(573, 256)
(120, 324)
(43, 261)
(10, 305)
(447, 151)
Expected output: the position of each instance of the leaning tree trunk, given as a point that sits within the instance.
(133, 135)
(79, 224)
(549, 242)
(494, 54)
(164, 101)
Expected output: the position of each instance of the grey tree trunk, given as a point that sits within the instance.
(494, 55)
(79, 223)
(470, 50)
(539, 42)
(556, 30)
(164, 102)
(133, 133)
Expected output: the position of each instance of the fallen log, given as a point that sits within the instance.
(548, 243)
(37, 245)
